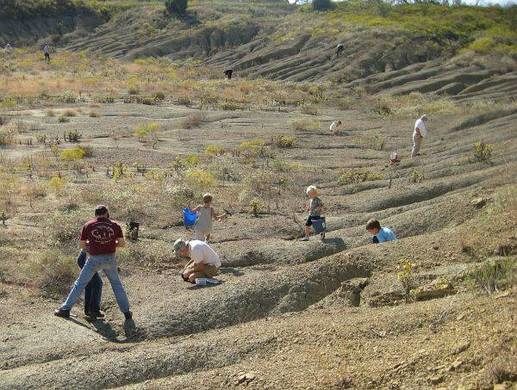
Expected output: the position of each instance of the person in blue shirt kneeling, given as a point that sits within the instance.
(380, 234)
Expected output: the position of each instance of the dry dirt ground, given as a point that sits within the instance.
(289, 314)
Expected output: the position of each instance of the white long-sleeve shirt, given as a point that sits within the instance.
(420, 128)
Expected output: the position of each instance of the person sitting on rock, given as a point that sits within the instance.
(315, 209)
(419, 133)
(335, 127)
(380, 234)
(204, 261)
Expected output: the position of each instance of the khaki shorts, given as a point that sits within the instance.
(207, 271)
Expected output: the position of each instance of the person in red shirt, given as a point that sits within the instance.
(100, 238)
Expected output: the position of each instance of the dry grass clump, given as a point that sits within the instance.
(147, 131)
(309, 109)
(355, 176)
(214, 150)
(495, 275)
(482, 151)
(192, 120)
(8, 134)
(413, 105)
(305, 125)
(284, 141)
(73, 154)
(53, 272)
(63, 119)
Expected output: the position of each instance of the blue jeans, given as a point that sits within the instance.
(108, 264)
(93, 290)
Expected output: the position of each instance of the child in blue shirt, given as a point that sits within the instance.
(380, 234)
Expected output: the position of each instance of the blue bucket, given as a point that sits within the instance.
(189, 217)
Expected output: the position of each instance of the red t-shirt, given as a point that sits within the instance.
(101, 235)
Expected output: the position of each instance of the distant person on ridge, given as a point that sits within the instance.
(228, 73)
(8, 48)
(315, 209)
(419, 133)
(100, 237)
(380, 234)
(46, 52)
(339, 49)
(204, 261)
(335, 127)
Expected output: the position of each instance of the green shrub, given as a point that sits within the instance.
(178, 7)
(214, 150)
(483, 152)
(72, 136)
(73, 154)
(354, 176)
(199, 178)
(252, 148)
(146, 131)
(284, 141)
(63, 119)
(416, 176)
(57, 183)
(494, 275)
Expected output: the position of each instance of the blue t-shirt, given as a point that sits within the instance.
(385, 234)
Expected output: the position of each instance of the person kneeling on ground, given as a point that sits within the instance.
(204, 261)
(100, 237)
(380, 234)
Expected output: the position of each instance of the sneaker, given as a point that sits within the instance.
(128, 315)
(62, 313)
(95, 314)
(304, 239)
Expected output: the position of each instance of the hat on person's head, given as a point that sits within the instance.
(178, 245)
(100, 210)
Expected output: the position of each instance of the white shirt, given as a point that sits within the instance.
(420, 125)
(335, 126)
(46, 49)
(201, 252)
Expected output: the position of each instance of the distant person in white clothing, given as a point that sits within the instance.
(8, 48)
(335, 127)
(204, 261)
(46, 52)
(419, 133)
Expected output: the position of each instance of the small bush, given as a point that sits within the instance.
(133, 91)
(405, 276)
(200, 178)
(146, 131)
(494, 275)
(69, 113)
(57, 183)
(104, 99)
(483, 152)
(305, 125)
(192, 120)
(72, 154)
(309, 109)
(8, 134)
(63, 119)
(50, 113)
(54, 273)
(72, 136)
(93, 114)
(159, 96)
(322, 5)
(284, 141)
(214, 150)
(256, 207)
(416, 176)
(354, 176)
(178, 7)
(252, 148)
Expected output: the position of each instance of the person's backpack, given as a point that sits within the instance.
(189, 217)
(319, 225)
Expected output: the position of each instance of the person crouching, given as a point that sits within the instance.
(204, 261)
